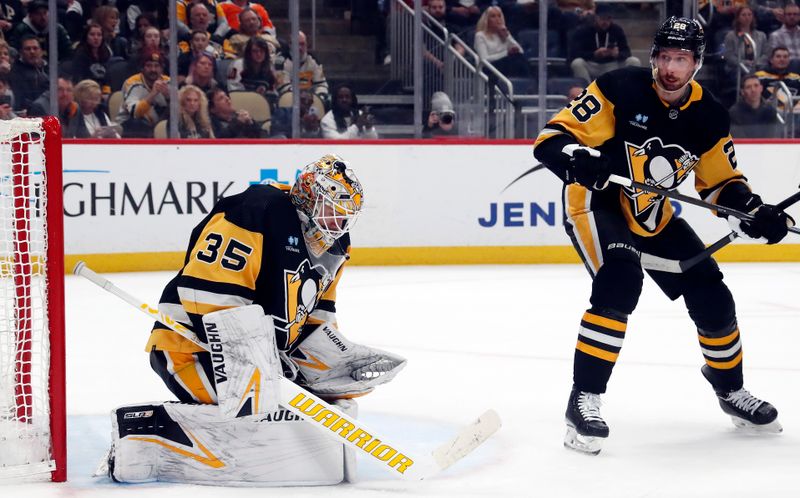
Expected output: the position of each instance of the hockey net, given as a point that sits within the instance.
(32, 407)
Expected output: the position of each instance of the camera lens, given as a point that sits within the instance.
(446, 119)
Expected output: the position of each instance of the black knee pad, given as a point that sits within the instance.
(617, 285)
(711, 307)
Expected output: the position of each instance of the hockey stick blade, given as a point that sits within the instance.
(467, 440)
(333, 422)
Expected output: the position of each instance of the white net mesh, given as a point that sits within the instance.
(24, 342)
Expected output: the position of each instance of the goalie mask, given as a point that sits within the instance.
(329, 199)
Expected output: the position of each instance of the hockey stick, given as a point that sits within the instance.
(333, 422)
(651, 262)
(627, 182)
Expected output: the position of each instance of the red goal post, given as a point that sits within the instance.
(32, 371)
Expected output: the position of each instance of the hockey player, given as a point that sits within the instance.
(654, 127)
(282, 248)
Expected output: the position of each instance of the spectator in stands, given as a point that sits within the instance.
(227, 122)
(11, 14)
(200, 20)
(29, 75)
(91, 58)
(194, 119)
(345, 120)
(573, 92)
(494, 43)
(201, 73)
(600, 47)
(204, 19)
(778, 70)
(6, 99)
(752, 116)
(228, 15)
(720, 21)
(249, 26)
(145, 98)
(788, 35)
(157, 10)
(91, 121)
(744, 44)
(465, 13)
(5, 58)
(309, 119)
(253, 72)
(36, 24)
(310, 72)
(108, 18)
(524, 14)
(152, 40)
(199, 46)
(441, 122)
(136, 38)
(67, 107)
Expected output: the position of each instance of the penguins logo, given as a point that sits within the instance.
(304, 287)
(654, 163)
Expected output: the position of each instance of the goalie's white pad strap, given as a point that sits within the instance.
(334, 366)
(245, 360)
(176, 442)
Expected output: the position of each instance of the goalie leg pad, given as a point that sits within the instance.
(245, 361)
(334, 367)
(176, 442)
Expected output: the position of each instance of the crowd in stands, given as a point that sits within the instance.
(114, 80)
(113, 68)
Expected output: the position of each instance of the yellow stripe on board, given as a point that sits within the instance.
(395, 256)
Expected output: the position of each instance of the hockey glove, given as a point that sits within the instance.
(587, 167)
(769, 224)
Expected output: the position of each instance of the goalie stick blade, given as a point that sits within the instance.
(467, 440)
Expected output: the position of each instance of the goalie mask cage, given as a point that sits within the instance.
(32, 393)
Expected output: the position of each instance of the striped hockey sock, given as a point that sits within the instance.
(599, 342)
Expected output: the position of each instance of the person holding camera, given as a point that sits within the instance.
(441, 121)
(345, 120)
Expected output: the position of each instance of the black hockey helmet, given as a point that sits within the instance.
(682, 33)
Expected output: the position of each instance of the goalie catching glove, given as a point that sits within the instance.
(587, 167)
(769, 224)
(333, 367)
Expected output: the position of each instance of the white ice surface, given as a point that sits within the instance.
(497, 337)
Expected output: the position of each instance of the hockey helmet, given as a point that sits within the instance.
(683, 33)
(329, 199)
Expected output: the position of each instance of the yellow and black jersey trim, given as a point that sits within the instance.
(589, 118)
(723, 353)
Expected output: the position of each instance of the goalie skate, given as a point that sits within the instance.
(586, 429)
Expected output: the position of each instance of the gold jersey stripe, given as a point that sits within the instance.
(726, 365)
(602, 321)
(167, 340)
(597, 352)
(185, 369)
(583, 119)
(578, 212)
(203, 308)
(719, 341)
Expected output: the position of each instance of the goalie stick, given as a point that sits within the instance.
(651, 262)
(333, 422)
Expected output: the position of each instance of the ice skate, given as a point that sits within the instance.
(586, 429)
(747, 412)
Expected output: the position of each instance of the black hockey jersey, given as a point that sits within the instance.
(649, 141)
(250, 250)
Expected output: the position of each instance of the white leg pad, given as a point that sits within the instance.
(245, 360)
(176, 442)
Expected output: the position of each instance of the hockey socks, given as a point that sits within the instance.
(600, 338)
